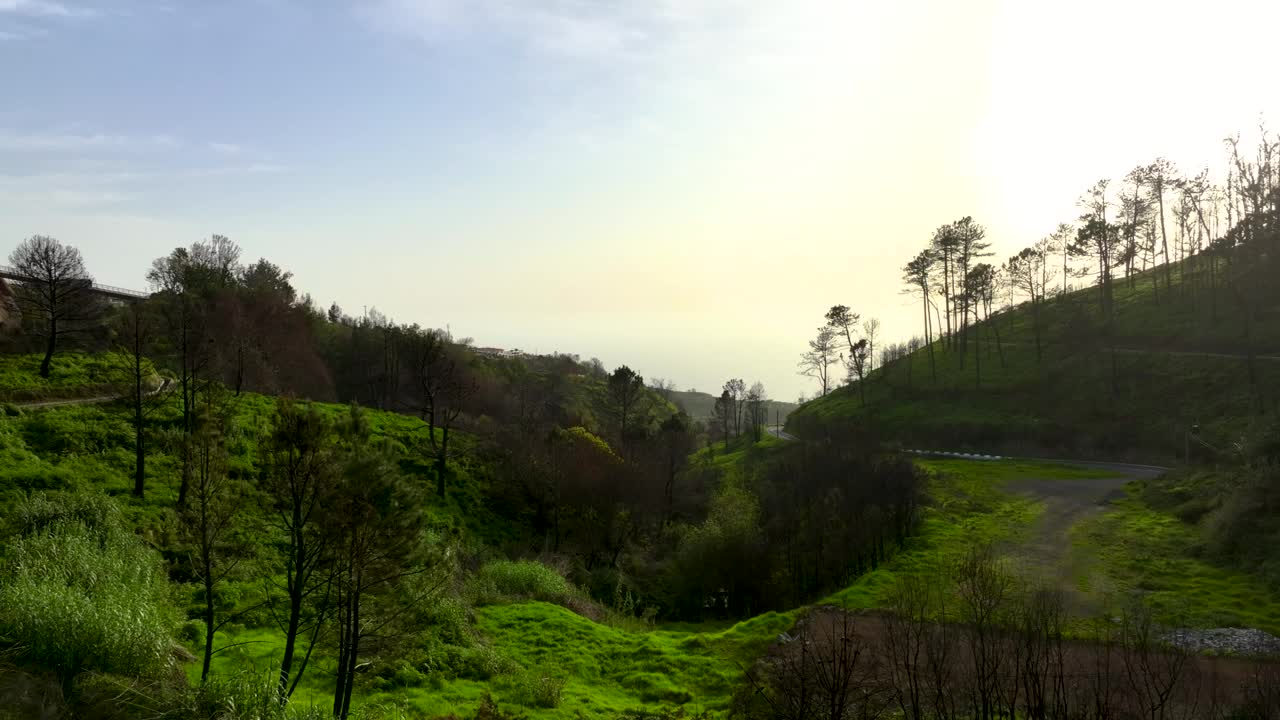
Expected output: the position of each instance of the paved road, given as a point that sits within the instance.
(780, 434)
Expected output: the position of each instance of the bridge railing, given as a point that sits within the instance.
(13, 274)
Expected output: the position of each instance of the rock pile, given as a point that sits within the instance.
(1225, 641)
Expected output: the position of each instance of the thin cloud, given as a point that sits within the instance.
(44, 8)
(565, 28)
(225, 148)
(57, 142)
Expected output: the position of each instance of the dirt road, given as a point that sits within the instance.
(1046, 553)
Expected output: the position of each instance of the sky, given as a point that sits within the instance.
(683, 186)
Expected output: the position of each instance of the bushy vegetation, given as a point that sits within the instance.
(507, 581)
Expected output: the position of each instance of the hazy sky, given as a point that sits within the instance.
(683, 186)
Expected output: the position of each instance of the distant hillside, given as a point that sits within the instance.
(700, 405)
(1178, 359)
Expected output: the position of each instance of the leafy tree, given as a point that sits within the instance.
(624, 393)
(757, 410)
(376, 529)
(299, 476)
(917, 273)
(845, 323)
(677, 442)
(970, 245)
(185, 281)
(57, 298)
(209, 516)
(722, 416)
(944, 246)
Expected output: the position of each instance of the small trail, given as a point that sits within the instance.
(96, 400)
(1158, 351)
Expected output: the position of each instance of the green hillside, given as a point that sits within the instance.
(1173, 359)
(700, 406)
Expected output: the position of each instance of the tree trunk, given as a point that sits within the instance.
(1164, 239)
(442, 461)
(999, 345)
(1035, 322)
(353, 656)
(977, 364)
(344, 641)
(208, 612)
(48, 350)
(139, 437)
(927, 339)
(295, 612)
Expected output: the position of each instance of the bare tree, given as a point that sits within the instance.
(442, 387)
(57, 297)
(870, 329)
(1028, 272)
(829, 672)
(1160, 177)
(737, 391)
(822, 354)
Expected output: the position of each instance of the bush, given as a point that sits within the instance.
(448, 621)
(505, 580)
(80, 593)
(538, 688)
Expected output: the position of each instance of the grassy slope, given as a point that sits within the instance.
(1136, 548)
(72, 374)
(607, 669)
(1064, 403)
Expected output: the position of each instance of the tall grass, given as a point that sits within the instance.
(80, 593)
(506, 580)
